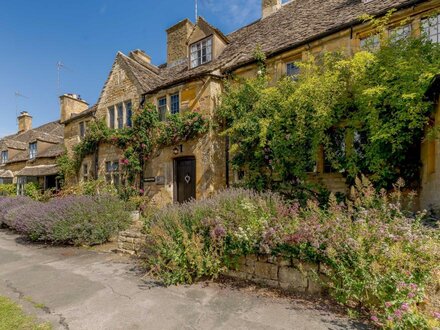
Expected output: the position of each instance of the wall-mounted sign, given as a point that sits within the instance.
(160, 180)
(150, 179)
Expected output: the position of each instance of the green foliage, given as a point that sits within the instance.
(140, 142)
(33, 190)
(8, 189)
(374, 256)
(202, 238)
(368, 112)
(67, 166)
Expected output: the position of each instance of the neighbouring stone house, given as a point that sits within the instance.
(30, 154)
(200, 57)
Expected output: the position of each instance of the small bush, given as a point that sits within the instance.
(8, 190)
(78, 220)
(9, 203)
(378, 258)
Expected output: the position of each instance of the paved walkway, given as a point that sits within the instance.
(80, 289)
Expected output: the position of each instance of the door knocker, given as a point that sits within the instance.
(187, 179)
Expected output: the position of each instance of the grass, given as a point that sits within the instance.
(13, 317)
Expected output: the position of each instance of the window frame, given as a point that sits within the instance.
(428, 34)
(290, 73)
(162, 108)
(4, 156)
(120, 115)
(113, 172)
(198, 51)
(112, 117)
(82, 129)
(174, 110)
(398, 33)
(85, 172)
(128, 109)
(33, 150)
(370, 42)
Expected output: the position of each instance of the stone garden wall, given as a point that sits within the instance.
(287, 274)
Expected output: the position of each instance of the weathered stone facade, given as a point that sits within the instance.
(430, 177)
(287, 33)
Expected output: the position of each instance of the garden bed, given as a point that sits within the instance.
(377, 258)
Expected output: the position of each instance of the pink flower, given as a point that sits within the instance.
(413, 287)
(411, 295)
(436, 315)
(404, 307)
(141, 191)
(374, 318)
(388, 304)
(398, 314)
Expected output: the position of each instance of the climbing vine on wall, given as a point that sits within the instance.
(367, 113)
(140, 142)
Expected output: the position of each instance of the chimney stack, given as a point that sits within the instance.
(177, 42)
(71, 104)
(270, 6)
(24, 122)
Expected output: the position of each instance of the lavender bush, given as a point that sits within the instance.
(78, 220)
(9, 203)
(378, 258)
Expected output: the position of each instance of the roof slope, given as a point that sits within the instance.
(296, 23)
(52, 132)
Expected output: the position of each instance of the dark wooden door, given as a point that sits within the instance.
(185, 179)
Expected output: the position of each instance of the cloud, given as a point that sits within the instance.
(235, 13)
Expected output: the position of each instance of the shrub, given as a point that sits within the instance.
(378, 258)
(78, 220)
(8, 189)
(9, 203)
(201, 238)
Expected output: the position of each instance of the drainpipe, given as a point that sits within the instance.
(141, 176)
(227, 160)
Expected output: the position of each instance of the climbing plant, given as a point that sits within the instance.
(366, 113)
(140, 142)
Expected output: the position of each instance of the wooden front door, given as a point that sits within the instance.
(185, 179)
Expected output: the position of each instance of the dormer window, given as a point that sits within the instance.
(201, 52)
(33, 150)
(4, 158)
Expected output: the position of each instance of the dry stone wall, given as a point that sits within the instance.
(287, 274)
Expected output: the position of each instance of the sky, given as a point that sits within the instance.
(85, 36)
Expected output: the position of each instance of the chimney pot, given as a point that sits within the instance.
(269, 7)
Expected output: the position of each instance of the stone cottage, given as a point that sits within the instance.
(30, 154)
(200, 57)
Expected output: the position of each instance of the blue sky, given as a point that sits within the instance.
(86, 35)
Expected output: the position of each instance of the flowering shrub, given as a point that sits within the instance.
(78, 220)
(377, 258)
(9, 203)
